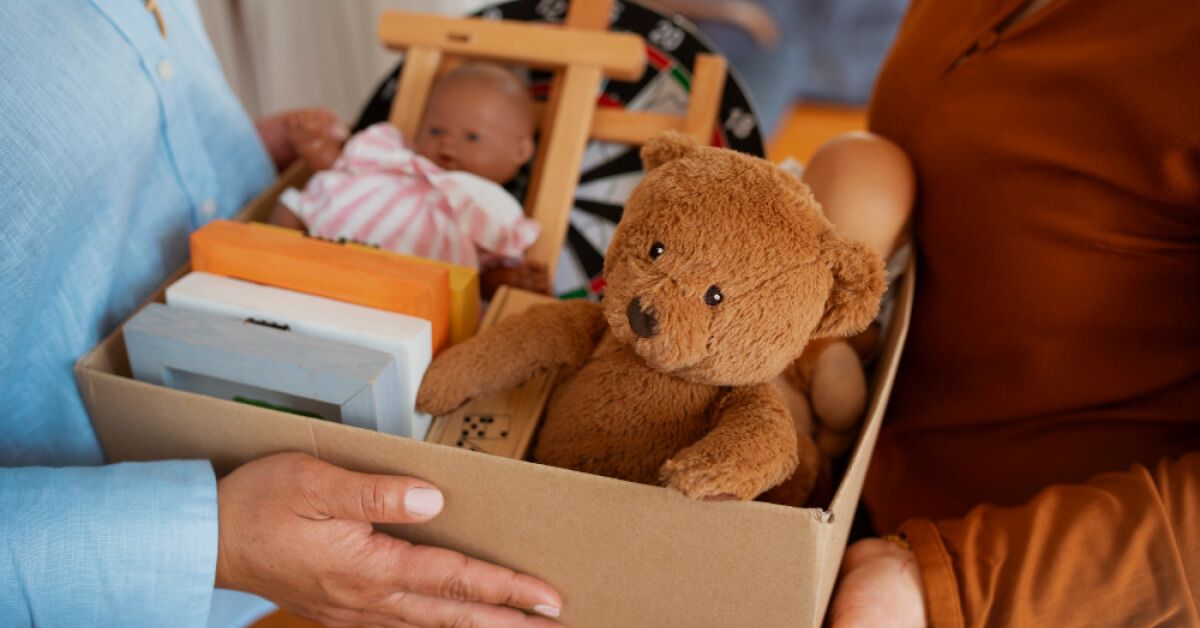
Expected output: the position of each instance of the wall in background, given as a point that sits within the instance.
(285, 54)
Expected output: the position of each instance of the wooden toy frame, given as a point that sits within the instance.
(581, 54)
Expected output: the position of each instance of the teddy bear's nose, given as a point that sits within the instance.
(640, 321)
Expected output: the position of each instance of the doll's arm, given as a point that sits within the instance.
(866, 187)
(751, 448)
(528, 275)
(827, 392)
(284, 217)
(289, 207)
(511, 352)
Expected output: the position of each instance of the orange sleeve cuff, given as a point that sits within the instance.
(943, 608)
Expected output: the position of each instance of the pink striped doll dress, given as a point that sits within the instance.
(382, 193)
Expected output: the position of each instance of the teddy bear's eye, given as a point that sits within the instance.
(657, 249)
(713, 297)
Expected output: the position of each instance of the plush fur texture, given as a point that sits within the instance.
(720, 271)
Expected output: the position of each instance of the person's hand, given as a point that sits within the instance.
(297, 531)
(315, 135)
(880, 585)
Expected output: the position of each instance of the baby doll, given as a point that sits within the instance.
(438, 196)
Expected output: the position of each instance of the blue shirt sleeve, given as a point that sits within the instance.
(132, 544)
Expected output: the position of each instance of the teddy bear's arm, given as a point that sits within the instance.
(751, 448)
(511, 352)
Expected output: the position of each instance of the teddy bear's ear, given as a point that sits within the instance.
(667, 147)
(858, 284)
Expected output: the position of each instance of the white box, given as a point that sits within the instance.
(405, 337)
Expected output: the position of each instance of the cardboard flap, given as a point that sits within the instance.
(884, 375)
(692, 563)
(845, 500)
(139, 421)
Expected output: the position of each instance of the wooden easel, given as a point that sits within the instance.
(581, 53)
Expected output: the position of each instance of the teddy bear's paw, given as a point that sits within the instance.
(439, 396)
(704, 479)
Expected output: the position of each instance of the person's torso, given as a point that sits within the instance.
(115, 143)
(1056, 331)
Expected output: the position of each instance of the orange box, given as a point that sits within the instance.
(288, 259)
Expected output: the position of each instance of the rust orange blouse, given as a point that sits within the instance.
(1056, 329)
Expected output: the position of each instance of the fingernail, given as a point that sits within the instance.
(423, 502)
(340, 131)
(547, 610)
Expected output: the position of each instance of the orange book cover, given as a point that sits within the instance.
(464, 292)
(289, 259)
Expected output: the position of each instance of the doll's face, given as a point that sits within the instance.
(475, 126)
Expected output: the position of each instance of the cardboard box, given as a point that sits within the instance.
(622, 554)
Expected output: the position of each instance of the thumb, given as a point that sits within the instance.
(344, 494)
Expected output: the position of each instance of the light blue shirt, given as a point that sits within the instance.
(115, 143)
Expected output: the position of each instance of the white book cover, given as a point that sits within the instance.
(408, 338)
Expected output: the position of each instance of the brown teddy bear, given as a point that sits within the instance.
(719, 272)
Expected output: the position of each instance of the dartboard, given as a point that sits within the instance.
(610, 170)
